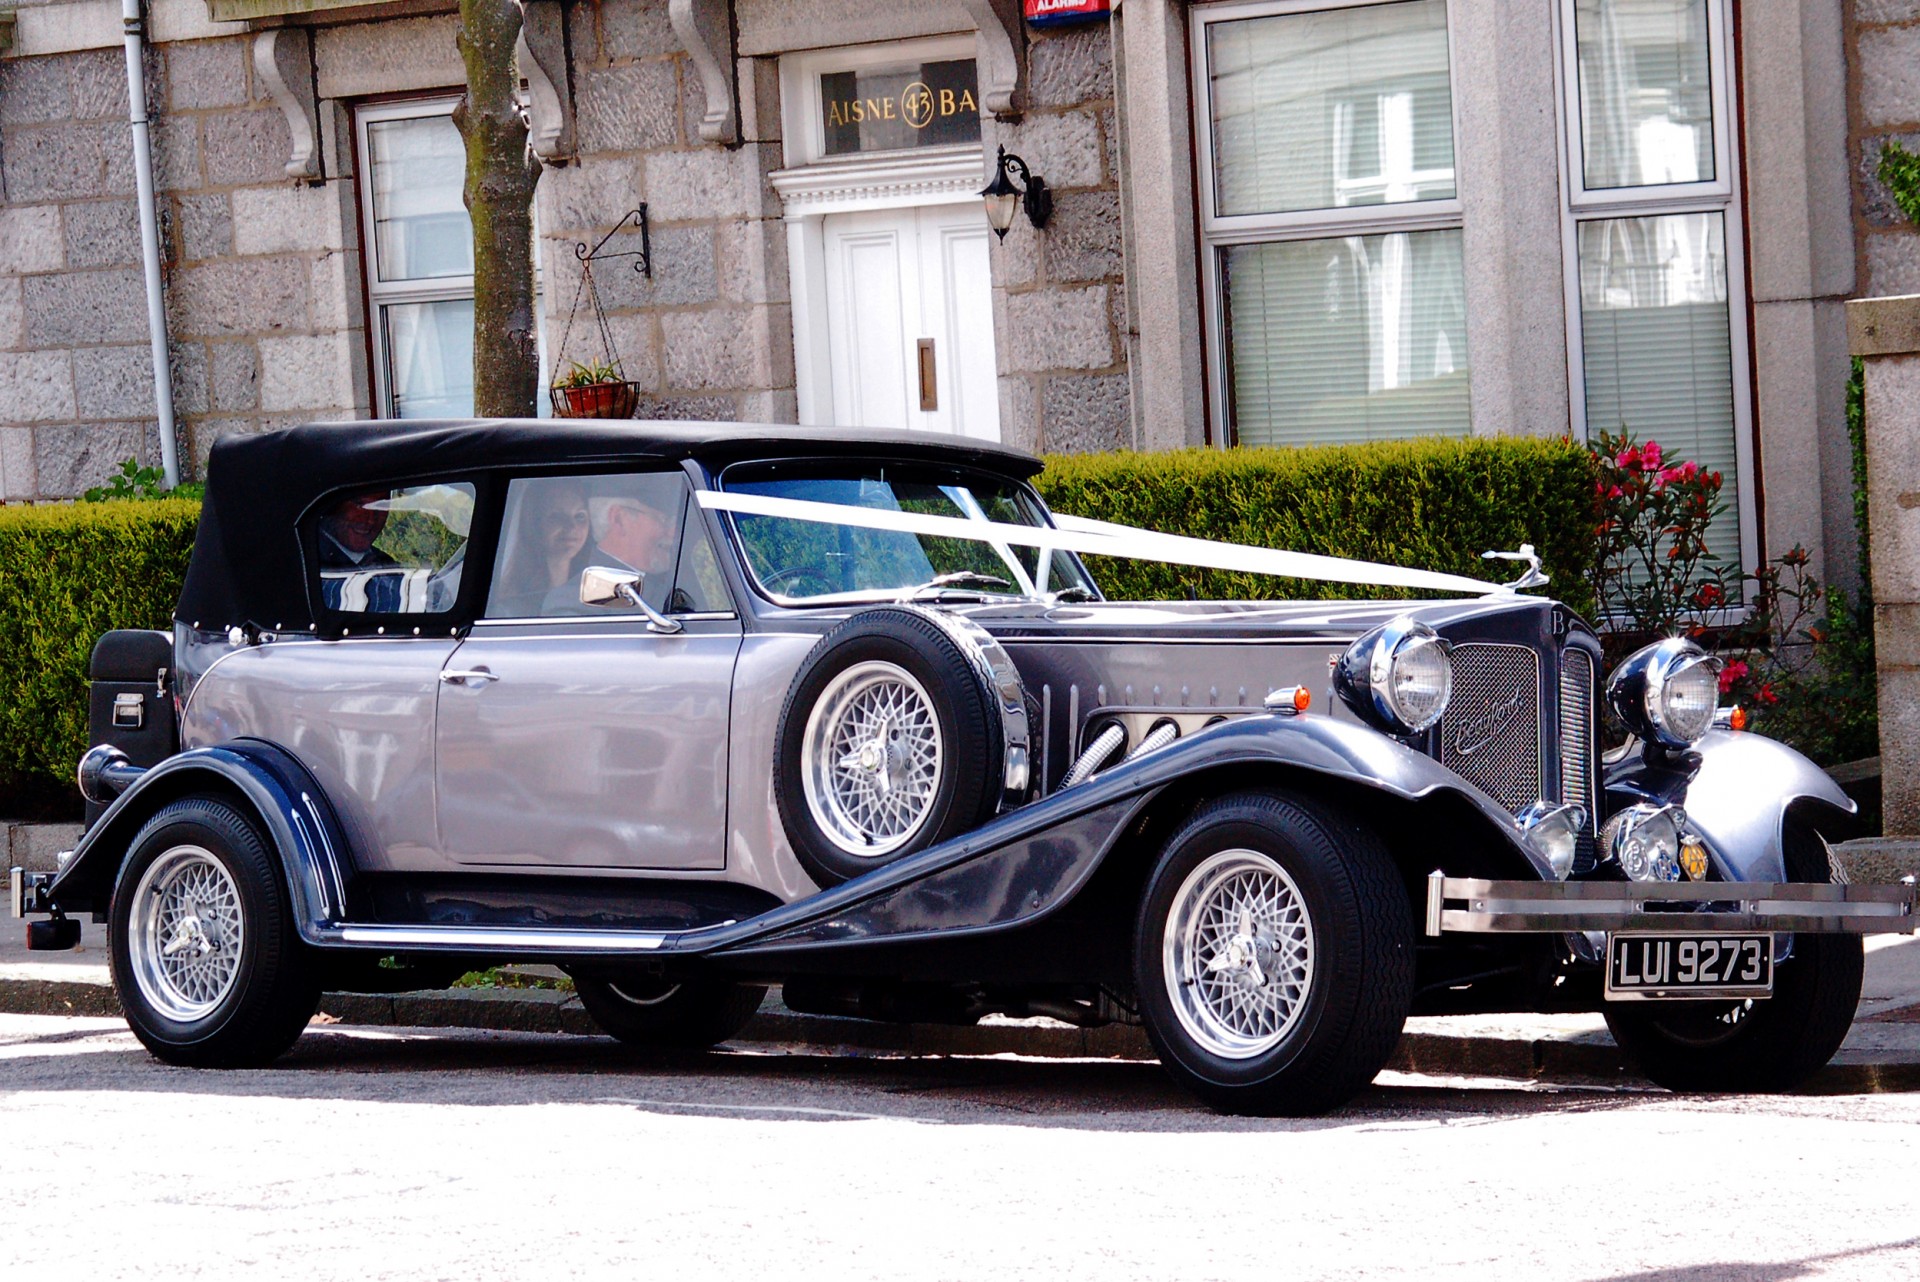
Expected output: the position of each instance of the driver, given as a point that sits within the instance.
(631, 533)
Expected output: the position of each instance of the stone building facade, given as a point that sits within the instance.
(1273, 220)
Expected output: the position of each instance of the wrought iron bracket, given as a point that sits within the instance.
(633, 220)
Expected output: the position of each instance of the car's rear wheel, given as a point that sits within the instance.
(206, 960)
(1773, 1044)
(663, 1014)
(1273, 955)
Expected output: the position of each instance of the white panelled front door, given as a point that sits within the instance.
(909, 306)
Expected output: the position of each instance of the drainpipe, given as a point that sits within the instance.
(134, 24)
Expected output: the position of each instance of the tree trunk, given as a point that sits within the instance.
(501, 174)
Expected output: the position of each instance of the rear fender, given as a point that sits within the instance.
(267, 783)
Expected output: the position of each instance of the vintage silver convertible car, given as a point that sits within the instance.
(692, 710)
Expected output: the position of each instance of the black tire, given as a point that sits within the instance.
(259, 1007)
(662, 1014)
(1755, 1046)
(971, 739)
(1348, 1020)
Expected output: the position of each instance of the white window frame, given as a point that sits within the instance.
(1220, 232)
(1721, 196)
(437, 289)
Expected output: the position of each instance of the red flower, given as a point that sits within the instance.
(1732, 673)
(1767, 695)
(1628, 459)
(1689, 470)
(1616, 492)
(1650, 452)
(1709, 596)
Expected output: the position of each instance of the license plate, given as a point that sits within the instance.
(1644, 966)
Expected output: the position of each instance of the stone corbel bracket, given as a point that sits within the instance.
(283, 63)
(705, 28)
(542, 54)
(1001, 56)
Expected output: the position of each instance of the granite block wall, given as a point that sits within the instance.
(1059, 295)
(709, 334)
(260, 273)
(1883, 55)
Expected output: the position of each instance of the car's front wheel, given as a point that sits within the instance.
(1772, 1044)
(206, 960)
(1273, 955)
(662, 1014)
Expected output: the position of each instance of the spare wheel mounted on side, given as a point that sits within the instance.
(904, 726)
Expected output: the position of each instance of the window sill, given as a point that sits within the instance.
(267, 12)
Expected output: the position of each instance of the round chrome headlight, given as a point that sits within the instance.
(1667, 692)
(1398, 677)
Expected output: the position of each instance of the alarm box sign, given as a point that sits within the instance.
(1058, 13)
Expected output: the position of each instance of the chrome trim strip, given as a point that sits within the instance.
(508, 938)
(1499, 907)
(17, 891)
(615, 616)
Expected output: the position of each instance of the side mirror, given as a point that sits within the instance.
(602, 586)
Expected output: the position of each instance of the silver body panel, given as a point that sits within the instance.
(359, 714)
(593, 745)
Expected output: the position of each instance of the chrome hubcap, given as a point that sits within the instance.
(1238, 954)
(185, 933)
(871, 758)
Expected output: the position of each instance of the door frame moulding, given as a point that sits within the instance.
(813, 186)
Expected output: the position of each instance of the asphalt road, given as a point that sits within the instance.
(469, 1156)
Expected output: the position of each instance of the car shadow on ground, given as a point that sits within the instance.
(424, 1066)
(1773, 1271)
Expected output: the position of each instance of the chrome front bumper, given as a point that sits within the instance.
(1472, 906)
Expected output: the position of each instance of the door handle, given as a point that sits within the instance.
(929, 377)
(468, 677)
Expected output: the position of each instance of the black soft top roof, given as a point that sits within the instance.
(247, 566)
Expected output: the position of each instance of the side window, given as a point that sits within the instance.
(395, 550)
(698, 585)
(558, 526)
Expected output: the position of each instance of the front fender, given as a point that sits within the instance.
(266, 780)
(1736, 788)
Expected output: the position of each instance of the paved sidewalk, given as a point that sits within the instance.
(1882, 1052)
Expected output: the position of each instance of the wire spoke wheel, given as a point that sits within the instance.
(186, 933)
(871, 758)
(1239, 954)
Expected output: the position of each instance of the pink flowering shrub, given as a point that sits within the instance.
(1798, 653)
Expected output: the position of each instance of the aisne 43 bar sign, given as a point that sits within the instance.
(1058, 13)
(894, 108)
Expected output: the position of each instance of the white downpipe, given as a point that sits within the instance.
(134, 25)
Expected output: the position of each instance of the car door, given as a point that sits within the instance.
(580, 737)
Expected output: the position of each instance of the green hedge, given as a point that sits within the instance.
(1428, 504)
(67, 574)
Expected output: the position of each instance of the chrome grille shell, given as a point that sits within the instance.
(1576, 728)
(1490, 735)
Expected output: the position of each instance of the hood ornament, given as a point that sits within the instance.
(1534, 576)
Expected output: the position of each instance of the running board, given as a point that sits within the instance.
(508, 939)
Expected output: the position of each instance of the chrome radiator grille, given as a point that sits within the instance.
(1576, 729)
(1491, 733)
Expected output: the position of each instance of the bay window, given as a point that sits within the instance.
(1331, 221)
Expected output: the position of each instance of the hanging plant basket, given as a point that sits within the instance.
(596, 400)
(600, 388)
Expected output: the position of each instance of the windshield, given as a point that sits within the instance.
(809, 561)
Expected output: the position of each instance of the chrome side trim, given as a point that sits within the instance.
(1532, 907)
(17, 891)
(507, 939)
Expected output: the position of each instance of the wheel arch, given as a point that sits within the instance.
(260, 779)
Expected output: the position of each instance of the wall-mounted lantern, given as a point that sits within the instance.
(1001, 195)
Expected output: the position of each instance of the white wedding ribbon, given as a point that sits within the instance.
(1103, 538)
